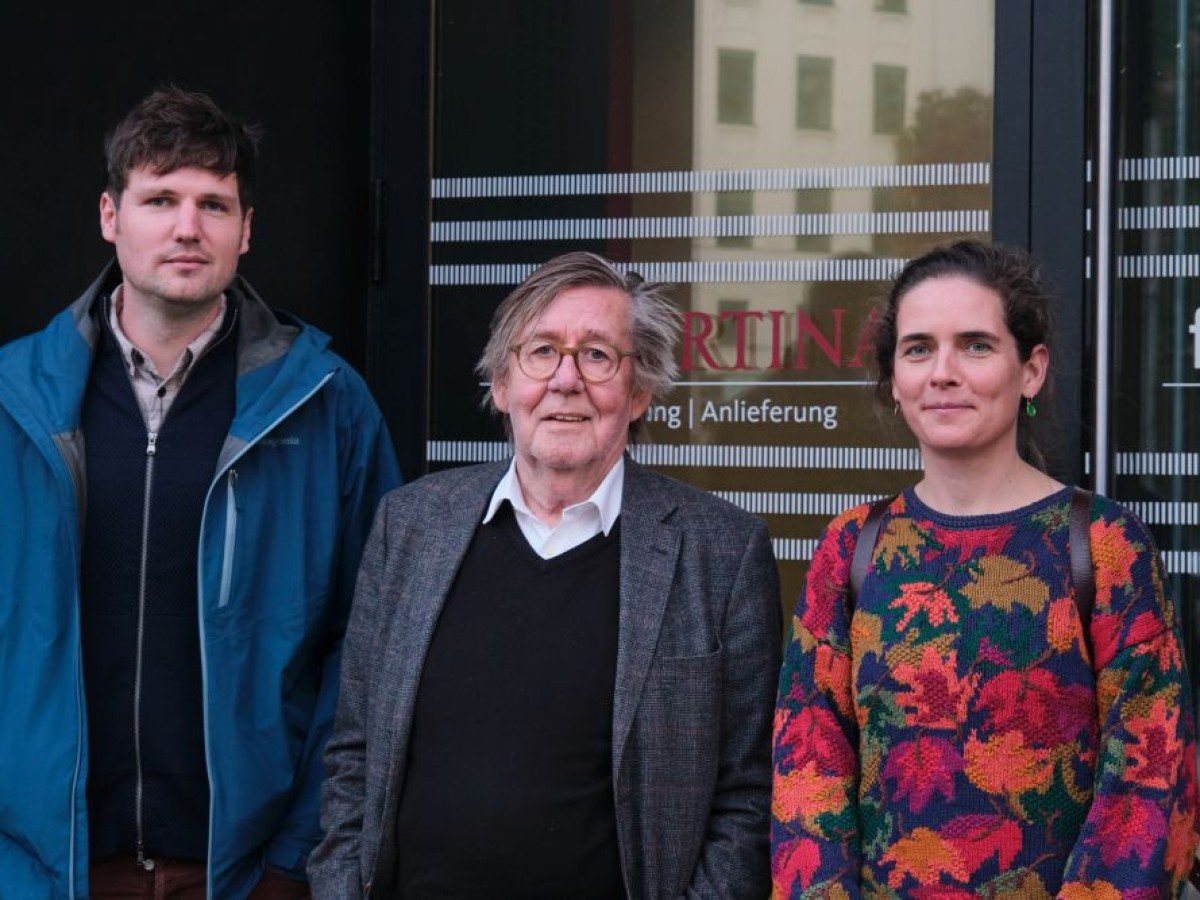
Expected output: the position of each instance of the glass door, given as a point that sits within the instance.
(775, 160)
(1154, 406)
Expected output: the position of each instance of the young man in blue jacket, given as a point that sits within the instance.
(187, 479)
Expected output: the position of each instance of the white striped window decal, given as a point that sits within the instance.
(904, 459)
(793, 549)
(1162, 168)
(795, 504)
(697, 272)
(801, 550)
(726, 271)
(929, 175)
(1181, 562)
(1157, 464)
(1167, 512)
(697, 227)
(1159, 265)
(935, 222)
(1143, 218)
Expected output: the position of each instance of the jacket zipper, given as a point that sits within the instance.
(143, 861)
(139, 784)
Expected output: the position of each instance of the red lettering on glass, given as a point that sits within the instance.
(740, 317)
(693, 338)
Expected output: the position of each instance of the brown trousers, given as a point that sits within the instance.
(121, 878)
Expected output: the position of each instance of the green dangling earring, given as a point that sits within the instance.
(1030, 409)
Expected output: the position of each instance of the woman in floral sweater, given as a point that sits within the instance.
(950, 731)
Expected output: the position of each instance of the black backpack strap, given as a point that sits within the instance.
(1083, 574)
(865, 547)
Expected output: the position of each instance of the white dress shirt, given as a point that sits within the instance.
(579, 522)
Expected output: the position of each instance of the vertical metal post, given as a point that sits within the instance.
(1103, 235)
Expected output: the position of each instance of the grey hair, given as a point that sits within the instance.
(654, 324)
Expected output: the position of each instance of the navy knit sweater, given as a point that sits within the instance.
(147, 777)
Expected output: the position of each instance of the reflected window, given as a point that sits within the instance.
(735, 203)
(892, 6)
(814, 92)
(890, 85)
(813, 202)
(817, 2)
(735, 87)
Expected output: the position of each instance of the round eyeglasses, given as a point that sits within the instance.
(596, 361)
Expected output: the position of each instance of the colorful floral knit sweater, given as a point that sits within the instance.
(951, 740)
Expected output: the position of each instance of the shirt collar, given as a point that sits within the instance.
(136, 360)
(606, 498)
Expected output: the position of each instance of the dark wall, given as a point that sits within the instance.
(302, 69)
(398, 322)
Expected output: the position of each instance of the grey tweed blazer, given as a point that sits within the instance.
(697, 665)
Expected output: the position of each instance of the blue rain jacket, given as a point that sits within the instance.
(288, 511)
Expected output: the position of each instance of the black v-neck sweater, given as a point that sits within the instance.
(508, 788)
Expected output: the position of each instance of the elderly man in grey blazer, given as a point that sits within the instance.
(560, 670)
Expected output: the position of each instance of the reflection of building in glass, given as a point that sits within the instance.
(831, 88)
(735, 86)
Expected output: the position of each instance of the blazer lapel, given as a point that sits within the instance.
(440, 553)
(649, 550)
